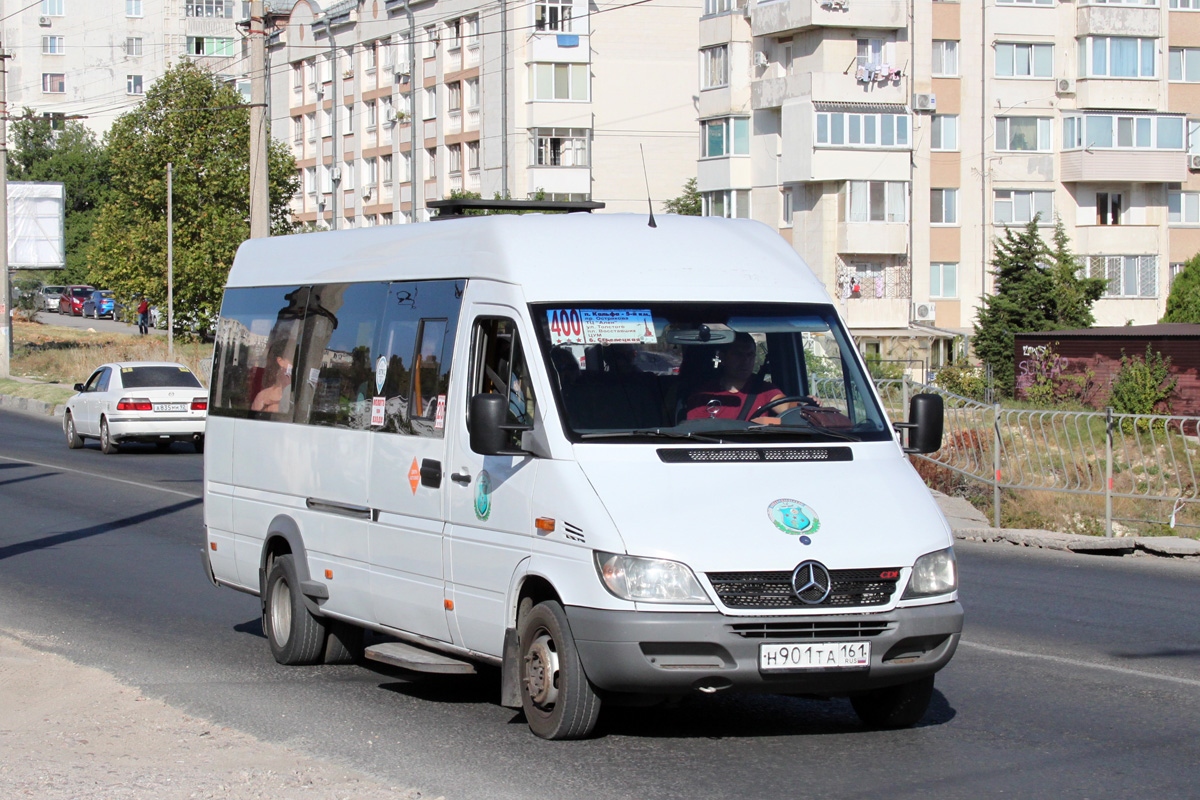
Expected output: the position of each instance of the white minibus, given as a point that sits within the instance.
(618, 462)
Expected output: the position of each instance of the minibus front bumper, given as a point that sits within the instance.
(679, 652)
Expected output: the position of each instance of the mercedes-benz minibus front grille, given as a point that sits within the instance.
(773, 590)
(797, 630)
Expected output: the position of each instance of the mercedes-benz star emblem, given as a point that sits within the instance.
(811, 583)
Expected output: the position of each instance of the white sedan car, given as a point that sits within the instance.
(139, 401)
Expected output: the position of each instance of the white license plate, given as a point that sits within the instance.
(814, 655)
(171, 406)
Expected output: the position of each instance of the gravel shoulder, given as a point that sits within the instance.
(75, 733)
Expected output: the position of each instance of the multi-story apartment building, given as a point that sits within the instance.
(553, 97)
(893, 141)
(95, 59)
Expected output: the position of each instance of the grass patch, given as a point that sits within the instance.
(58, 355)
(52, 393)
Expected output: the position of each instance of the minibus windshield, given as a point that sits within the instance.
(706, 371)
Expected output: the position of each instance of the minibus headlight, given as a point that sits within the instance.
(649, 580)
(934, 573)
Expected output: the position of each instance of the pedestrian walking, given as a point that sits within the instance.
(143, 312)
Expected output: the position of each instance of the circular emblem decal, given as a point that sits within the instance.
(483, 496)
(381, 368)
(793, 517)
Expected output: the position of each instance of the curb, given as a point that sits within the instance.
(27, 405)
(1171, 546)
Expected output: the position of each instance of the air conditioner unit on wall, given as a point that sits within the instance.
(760, 58)
(924, 102)
(1064, 86)
(44, 22)
(1194, 163)
(923, 312)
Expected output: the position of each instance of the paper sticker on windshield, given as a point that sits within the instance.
(601, 326)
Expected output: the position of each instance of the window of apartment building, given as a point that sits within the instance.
(943, 281)
(1024, 60)
(714, 66)
(787, 205)
(717, 7)
(870, 53)
(133, 46)
(1185, 5)
(454, 33)
(53, 83)
(372, 112)
(298, 77)
(943, 206)
(385, 170)
(1173, 271)
(133, 8)
(1110, 206)
(559, 147)
(1018, 207)
(431, 41)
(728, 203)
(945, 58)
(454, 99)
(133, 84)
(1123, 131)
(874, 201)
(52, 45)
(52, 8)
(473, 156)
(310, 125)
(726, 136)
(1125, 276)
(370, 56)
(471, 30)
(326, 179)
(405, 168)
(326, 122)
(429, 103)
(837, 128)
(310, 179)
(1123, 2)
(370, 172)
(943, 133)
(552, 15)
(210, 8)
(430, 162)
(454, 159)
(347, 175)
(1116, 57)
(298, 130)
(348, 115)
(403, 51)
(1183, 208)
(209, 46)
(1029, 134)
(559, 81)
(472, 92)
(1183, 64)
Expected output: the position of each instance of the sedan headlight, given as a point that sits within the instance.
(933, 574)
(649, 580)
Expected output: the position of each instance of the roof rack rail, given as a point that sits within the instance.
(459, 206)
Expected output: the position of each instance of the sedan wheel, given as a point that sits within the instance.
(74, 440)
(107, 445)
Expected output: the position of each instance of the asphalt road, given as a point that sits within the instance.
(1078, 676)
(103, 324)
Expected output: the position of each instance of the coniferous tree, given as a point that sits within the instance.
(687, 203)
(1183, 303)
(1073, 295)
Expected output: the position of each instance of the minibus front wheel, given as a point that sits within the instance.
(558, 699)
(295, 635)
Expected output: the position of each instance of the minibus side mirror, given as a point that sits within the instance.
(489, 433)
(925, 422)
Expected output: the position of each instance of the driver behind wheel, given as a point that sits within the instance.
(736, 392)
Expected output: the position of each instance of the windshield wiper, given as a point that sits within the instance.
(807, 428)
(653, 433)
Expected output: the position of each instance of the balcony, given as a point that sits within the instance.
(1117, 239)
(790, 16)
(803, 164)
(1135, 94)
(1124, 166)
(874, 238)
(831, 87)
(1118, 20)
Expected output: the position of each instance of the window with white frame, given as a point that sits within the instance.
(385, 170)
(943, 206)
(429, 105)
(870, 53)
(472, 92)
(1019, 206)
(1117, 57)
(326, 179)
(454, 31)
(714, 66)
(840, 129)
(1023, 134)
(209, 46)
(1123, 131)
(405, 167)
(386, 55)
(1110, 208)
(133, 8)
(403, 51)
(943, 132)
(133, 84)
(348, 175)
(875, 201)
(213, 8)
(326, 122)
(1014, 60)
(1125, 276)
(945, 58)
(726, 136)
(370, 172)
(717, 7)
(552, 15)
(559, 147)
(431, 41)
(310, 179)
(1183, 64)
(454, 158)
(430, 162)
(943, 281)
(133, 46)
(298, 130)
(52, 8)
(371, 56)
(54, 82)
(1183, 208)
(52, 45)
(1185, 5)
(471, 30)
(454, 97)
(559, 82)
(372, 114)
(349, 115)
(1175, 268)
(728, 203)
(298, 77)
(310, 125)
(473, 155)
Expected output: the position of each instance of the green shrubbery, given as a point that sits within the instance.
(1143, 384)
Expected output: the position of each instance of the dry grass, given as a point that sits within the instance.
(66, 356)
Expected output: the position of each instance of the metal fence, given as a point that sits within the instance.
(1099, 453)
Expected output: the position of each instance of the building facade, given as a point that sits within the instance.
(93, 60)
(554, 98)
(893, 141)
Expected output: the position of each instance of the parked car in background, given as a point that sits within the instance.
(100, 303)
(156, 402)
(71, 299)
(47, 298)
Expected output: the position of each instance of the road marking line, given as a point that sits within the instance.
(102, 477)
(1076, 663)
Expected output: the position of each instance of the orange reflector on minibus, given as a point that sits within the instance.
(213, 545)
(328, 574)
(449, 604)
(544, 524)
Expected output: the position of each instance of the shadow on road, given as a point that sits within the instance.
(94, 530)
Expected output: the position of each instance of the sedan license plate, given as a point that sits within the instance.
(814, 655)
(170, 406)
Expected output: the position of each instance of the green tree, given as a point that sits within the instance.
(1183, 303)
(73, 157)
(1070, 304)
(191, 119)
(687, 203)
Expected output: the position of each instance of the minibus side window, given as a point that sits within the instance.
(499, 366)
(256, 350)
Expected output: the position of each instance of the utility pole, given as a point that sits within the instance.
(170, 269)
(6, 327)
(260, 206)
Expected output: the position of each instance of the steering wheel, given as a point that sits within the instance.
(803, 399)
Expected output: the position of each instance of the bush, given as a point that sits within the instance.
(963, 380)
(1142, 385)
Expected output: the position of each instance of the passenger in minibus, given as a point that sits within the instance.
(276, 396)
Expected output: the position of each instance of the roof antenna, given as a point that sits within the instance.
(646, 177)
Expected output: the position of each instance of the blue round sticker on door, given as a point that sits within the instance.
(793, 517)
(483, 496)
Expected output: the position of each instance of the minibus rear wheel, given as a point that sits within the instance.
(558, 699)
(894, 706)
(295, 635)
